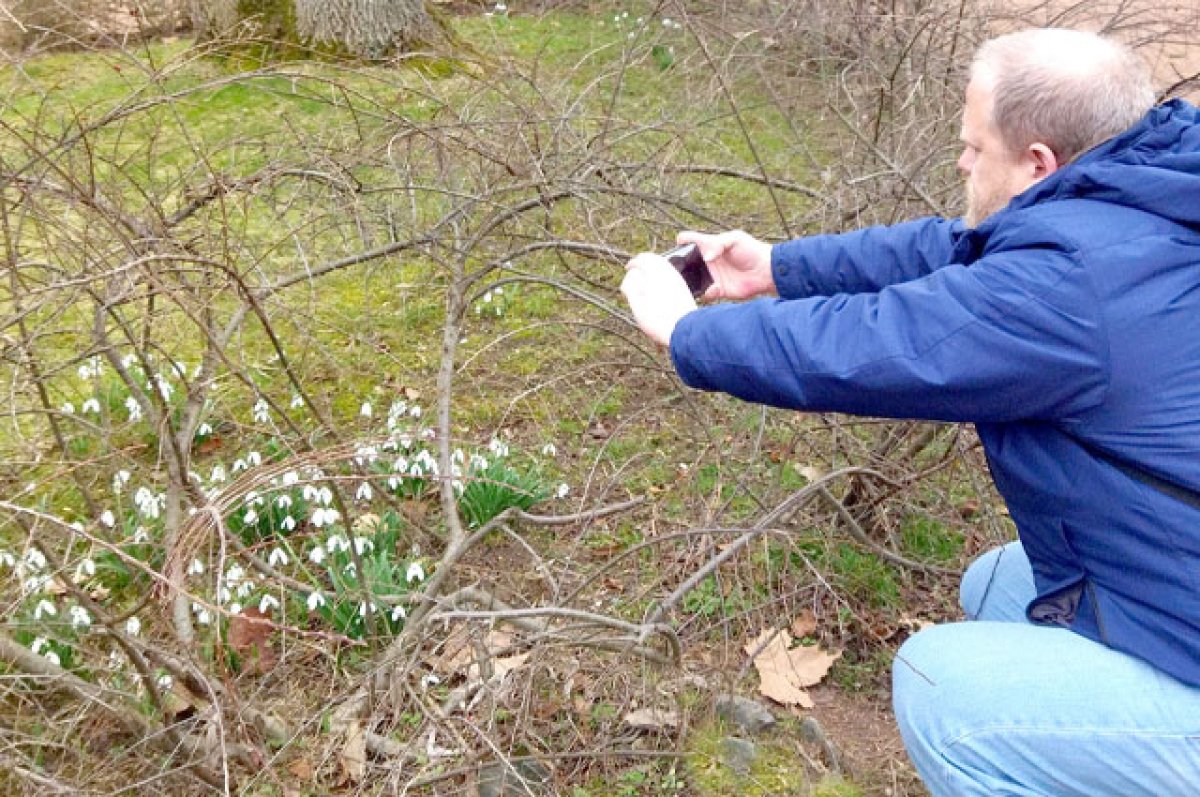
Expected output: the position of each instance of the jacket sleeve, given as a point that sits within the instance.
(864, 260)
(1017, 335)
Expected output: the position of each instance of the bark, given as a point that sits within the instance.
(366, 28)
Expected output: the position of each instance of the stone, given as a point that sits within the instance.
(519, 779)
(748, 715)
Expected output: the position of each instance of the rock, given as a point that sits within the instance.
(811, 731)
(738, 754)
(748, 715)
(519, 779)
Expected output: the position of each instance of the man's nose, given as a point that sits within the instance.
(965, 162)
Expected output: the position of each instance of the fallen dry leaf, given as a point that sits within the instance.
(784, 671)
(250, 637)
(652, 719)
(804, 624)
(353, 758)
(301, 769)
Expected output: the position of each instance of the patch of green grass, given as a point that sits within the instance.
(927, 539)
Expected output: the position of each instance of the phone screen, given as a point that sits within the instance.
(688, 262)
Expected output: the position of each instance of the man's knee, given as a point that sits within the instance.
(998, 585)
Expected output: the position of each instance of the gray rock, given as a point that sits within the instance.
(811, 731)
(748, 715)
(737, 754)
(519, 779)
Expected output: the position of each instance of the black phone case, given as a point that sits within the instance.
(688, 262)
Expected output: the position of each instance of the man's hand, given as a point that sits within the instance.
(740, 264)
(657, 295)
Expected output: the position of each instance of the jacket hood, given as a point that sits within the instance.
(1153, 166)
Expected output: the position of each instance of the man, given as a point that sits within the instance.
(1062, 316)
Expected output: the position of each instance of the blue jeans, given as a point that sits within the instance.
(1001, 707)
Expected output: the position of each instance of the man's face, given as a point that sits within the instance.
(994, 175)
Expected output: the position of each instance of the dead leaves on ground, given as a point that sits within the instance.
(785, 670)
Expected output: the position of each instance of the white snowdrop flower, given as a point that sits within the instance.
(68, 408)
(235, 608)
(34, 559)
(337, 543)
(234, 574)
(108, 518)
(430, 680)
(244, 589)
(297, 401)
(164, 681)
(78, 526)
(91, 405)
(428, 434)
(133, 626)
(283, 501)
(415, 572)
(80, 617)
(195, 568)
(405, 441)
(290, 478)
(325, 496)
(261, 411)
(562, 491)
(34, 584)
(8, 560)
(366, 411)
(53, 658)
(666, 22)
(317, 555)
(498, 448)
(365, 608)
(325, 517)
(251, 517)
(218, 474)
(133, 408)
(204, 429)
(415, 411)
(224, 595)
(501, 8)
(165, 388)
(203, 616)
(310, 492)
(478, 463)
(84, 570)
(239, 464)
(315, 600)
(267, 603)
(288, 523)
(549, 450)
(364, 492)
(45, 608)
(278, 558)
(398, 614)
(400, 465)
(350, 569)
(120, 479)
(362, 545)
(254, 458)
(128, 360)
(39, 644)
(393, 483)
(85, 372)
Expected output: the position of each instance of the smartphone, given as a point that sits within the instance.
(687, 261)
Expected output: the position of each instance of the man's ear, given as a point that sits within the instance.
(1042, 161)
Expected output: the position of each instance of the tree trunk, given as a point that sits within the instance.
(365, 28)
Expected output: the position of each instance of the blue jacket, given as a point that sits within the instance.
(1067, 323)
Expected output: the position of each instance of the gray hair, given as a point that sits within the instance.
(1067, 89)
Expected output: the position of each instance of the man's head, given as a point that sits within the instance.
(1035, 100)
